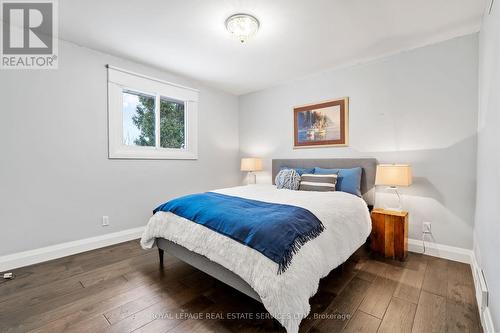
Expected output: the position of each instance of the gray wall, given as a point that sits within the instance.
(417, 107)
(487, 226)
(56, 181)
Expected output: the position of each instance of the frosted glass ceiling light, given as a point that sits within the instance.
(242, 26)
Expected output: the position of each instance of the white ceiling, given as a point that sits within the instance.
(296, 38)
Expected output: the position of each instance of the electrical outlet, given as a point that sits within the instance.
(105, 221)
(426, 228)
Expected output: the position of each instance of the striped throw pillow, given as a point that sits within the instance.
(320, 183)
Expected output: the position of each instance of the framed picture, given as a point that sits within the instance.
(322, 124)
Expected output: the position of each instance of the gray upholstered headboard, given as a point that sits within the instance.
(369, 166)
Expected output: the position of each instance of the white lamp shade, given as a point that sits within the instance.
(251, 164)
(393, 175)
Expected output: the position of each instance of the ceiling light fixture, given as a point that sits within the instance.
(242, 26)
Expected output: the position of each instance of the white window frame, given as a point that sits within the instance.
(120, 80)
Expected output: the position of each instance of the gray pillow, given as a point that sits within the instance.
(287, 179)
(319, 183)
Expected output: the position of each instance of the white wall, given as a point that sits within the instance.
(417, 107)
(487, 225)
(56, 181)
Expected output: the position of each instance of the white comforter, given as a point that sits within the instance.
(285, 296)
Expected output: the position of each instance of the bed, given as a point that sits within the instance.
(286, 295)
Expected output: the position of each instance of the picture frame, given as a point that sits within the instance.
(324, 124)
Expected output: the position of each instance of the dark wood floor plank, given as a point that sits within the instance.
(414, 262)
(34, 296)
(236, 313)
(176, 316)
(343, 307)
(436, 277)
(330, 286)
(462, 317)
(378, 297)
(460, 273)
(93, 324)
(117, 269)
(362, 323)
(399, 317)
(39, 315)
(113, 254)
(38, 275)
(460, 283)
(104, 256)
(338, 279)
(319, 303)
(410, 284)
(144, 301)
(169, 289)
(90, 310)
(431, 314)
(394, 273)
(37, 280)
(371, 269)
(198, 326)
(165, 306)
(175, 271)
(461, 293)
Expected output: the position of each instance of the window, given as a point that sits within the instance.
(172, 130)
(150, 118)
(138, 119)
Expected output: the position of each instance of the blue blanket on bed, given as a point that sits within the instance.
(275, 230)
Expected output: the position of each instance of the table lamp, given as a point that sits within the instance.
(251, 164)
(394, 175)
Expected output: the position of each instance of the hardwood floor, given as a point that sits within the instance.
(122, 289)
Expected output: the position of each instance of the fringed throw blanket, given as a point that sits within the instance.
(275, 230)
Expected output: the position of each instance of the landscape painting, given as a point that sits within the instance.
(323, 124)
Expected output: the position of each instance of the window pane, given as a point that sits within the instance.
(172, 124)
(138, 119)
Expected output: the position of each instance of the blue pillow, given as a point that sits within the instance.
(300, 171)
(349, 180)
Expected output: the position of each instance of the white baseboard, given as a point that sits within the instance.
(441, 251)
(484, 311)
(487, 321)
(35, 256)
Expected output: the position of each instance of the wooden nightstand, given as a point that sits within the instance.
(389, 235)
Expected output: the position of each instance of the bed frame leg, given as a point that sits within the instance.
(160, 254)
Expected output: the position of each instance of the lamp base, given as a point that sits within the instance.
(399, 207)
(251, 178)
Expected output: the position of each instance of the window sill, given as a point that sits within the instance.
(153, 154)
